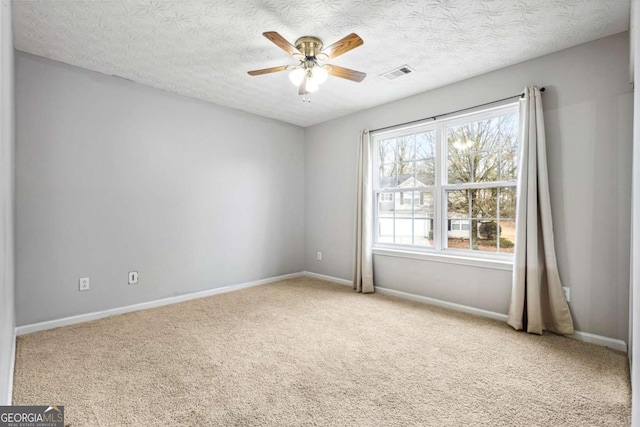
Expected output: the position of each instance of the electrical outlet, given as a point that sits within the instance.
(567, 293)
(319, 256)
(84, 284)
(133, 277)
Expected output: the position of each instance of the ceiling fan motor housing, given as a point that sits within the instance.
(309, 46)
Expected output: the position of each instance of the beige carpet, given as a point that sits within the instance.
(307, 352)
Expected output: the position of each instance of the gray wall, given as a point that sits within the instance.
(7, 318)
(113, 176)
(588, 114)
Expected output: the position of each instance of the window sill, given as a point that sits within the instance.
(495, 264)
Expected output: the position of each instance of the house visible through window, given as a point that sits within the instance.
(448, 185)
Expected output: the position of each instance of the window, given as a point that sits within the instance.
(458, 224)
(449, 185)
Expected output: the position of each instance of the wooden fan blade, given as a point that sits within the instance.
(343, 45)
(346, 73)
(282, 43)
(303, 88)
(267, 70)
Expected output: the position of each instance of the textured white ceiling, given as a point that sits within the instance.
(205, 48)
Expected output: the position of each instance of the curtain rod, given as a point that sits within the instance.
(520, 95)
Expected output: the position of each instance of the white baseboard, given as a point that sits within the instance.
(328, 278)
(444, 304)
(35, 327)
(613, 343)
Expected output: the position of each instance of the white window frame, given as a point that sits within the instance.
(439, 251)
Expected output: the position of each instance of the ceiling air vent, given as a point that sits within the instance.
(398, 72)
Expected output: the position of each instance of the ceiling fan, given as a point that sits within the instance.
(309, 73)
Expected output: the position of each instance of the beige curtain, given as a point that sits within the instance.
(363, 257)
(537, 298)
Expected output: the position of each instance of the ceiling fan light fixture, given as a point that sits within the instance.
(319, 74)
(296, 76)
(312, 84)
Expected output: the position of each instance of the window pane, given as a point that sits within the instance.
(423, 204)
(507, 128)
(403, 203)
(483, 140)
(387, 150)
(423, 232)
(507, 202)
(425, 172)
(406, 148)
(508, 165)
(483, 135)
(458, 204)
(385, 230)
(487, 246)
(403, 232)
(486, 239)
(388, 177)
(426, 145)
(405, 175)
(459, 239)
(484, 202)
(507, 236)
(459, 168)
(458, 235)
(459, 140)
(385, 204)
(486, 166)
